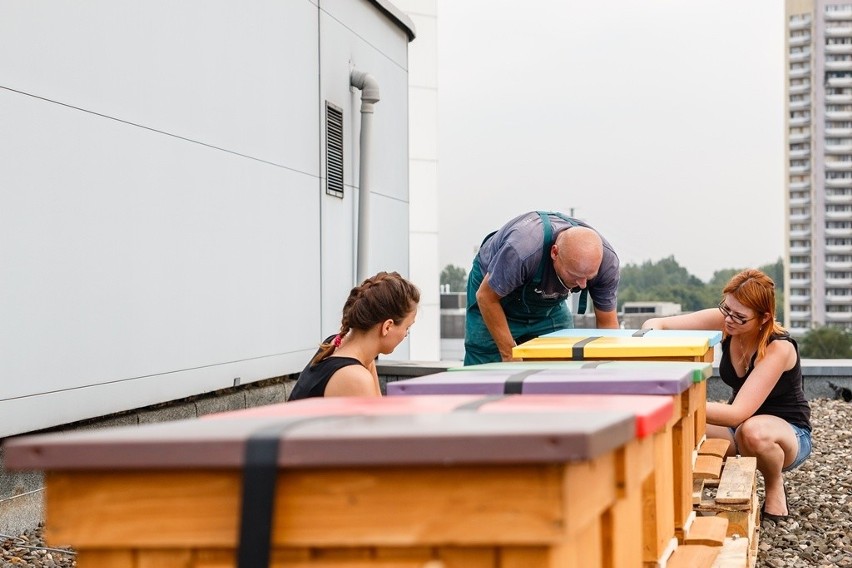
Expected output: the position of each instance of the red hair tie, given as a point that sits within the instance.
(336, 341)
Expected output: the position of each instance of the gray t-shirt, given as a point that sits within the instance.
(512, 255)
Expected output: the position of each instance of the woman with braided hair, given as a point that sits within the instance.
(767, 415)
(376, 318)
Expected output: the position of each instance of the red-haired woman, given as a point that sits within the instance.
(376, 318)
(767, 416)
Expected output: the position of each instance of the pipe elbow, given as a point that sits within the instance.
(367, 84)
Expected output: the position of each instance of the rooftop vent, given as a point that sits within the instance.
(333, 150)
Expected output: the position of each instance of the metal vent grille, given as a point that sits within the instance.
(333, 150)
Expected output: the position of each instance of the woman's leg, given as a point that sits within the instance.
(773, 442)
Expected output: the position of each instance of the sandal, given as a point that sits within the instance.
(775, 518)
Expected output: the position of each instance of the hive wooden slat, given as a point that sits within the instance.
(693, 556)
(714, 447)
(707, 467)
(710, 531)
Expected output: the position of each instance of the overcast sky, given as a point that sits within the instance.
(659, 122)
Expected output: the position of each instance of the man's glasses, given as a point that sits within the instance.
(736, 318)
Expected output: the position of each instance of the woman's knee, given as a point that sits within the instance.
(755, 436)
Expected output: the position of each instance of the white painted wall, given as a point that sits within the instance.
(163, 219)
(423, 177)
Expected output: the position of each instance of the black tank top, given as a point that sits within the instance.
(313, 379)
(787, 398)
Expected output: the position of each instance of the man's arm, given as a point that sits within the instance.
(495, 319)
(606, 320)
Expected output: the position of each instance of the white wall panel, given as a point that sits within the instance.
(423, 52)
(128, 253)
(389, 230)
(44, 410)
(343, 48)
(423, 178)
(425, 335)
(163, 223)
(362, 18)
(424, 107)
(236, 75)
(424, 197)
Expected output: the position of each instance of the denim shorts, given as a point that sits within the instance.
(803, 436)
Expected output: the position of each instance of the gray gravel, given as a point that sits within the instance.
(818, 531)
(29, 550)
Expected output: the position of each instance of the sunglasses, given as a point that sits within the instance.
(736, 318)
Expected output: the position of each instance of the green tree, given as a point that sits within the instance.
(826, 343)
(664, 281)
(455, 277)
(776, 272)
(667, 281)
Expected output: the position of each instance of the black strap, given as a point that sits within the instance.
(258, 492)
(584, 300)
(515, 383)
(578, 348)
(640, 332)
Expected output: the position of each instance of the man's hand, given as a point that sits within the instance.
(495, 319)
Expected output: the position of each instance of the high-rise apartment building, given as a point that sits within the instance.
(818, 268)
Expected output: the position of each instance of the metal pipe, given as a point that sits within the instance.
(369, 88)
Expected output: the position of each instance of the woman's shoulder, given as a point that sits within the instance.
(351, 380)
(782, 339)
(783, 348)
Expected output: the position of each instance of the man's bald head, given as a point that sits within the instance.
(577, 255)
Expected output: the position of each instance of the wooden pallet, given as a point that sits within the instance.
(731, 496)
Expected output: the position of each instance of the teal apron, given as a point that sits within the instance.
(528, 313)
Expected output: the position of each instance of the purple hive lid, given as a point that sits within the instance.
(598, 380)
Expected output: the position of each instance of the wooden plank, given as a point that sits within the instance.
(549, 557)
(589, 489)
(476, 505)
(658, 500)
(714, 447)
(738, 523)
(707, 467)
(420, 553)
(693, 556)
(734, 554)
(622, 543)
(224, 558)
(708, 531)
(218, 558)
(683, 444)
(100, 558)
(701, 411)
(737, 482)
(332, 554)
(697, 491)
(474, 557)
(161, 558)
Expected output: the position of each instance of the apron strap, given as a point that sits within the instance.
(545, 253)
(546, 243)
